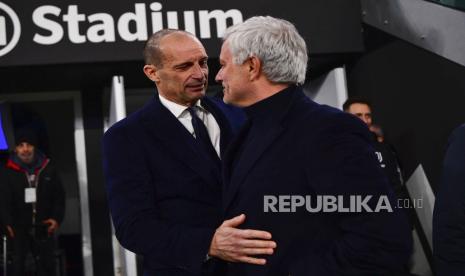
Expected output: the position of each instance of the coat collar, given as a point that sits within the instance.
(256, 147)
(162, 125)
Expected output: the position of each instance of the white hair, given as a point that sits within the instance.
(275, 42)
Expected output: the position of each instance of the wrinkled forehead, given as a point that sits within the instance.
(225, 53)
(181, 46)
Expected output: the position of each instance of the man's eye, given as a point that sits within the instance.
(182, 66)
(203, 63)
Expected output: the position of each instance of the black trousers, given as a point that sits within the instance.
(42, 249)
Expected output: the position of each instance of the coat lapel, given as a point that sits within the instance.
(263, 139)
(231, 153)
(249, 156)
(162, 125)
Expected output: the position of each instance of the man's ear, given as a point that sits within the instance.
(151, 72)
(255, 67)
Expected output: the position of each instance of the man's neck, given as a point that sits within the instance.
(267, 89)
(177, 101)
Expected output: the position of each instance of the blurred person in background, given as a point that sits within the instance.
(33, 205)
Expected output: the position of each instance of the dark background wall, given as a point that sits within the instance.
(417, 96)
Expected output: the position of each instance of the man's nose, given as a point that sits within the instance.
(219, 76)
(198, 72)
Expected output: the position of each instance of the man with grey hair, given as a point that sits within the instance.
(294, 148)
(162, 167)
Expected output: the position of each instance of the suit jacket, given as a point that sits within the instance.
(164, 193)
(449, 210)
(309, 149)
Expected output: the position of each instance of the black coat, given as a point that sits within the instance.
(307, 149)
(50, 196)
(164, 192)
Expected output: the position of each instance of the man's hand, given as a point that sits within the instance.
(238, 245)
(52, 225)
(10, 231)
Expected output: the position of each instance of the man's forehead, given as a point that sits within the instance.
(359, 107)
(185, 56)
(179, 41)
(24, 146)
(182, 47)
(225, 51)
(225, 48)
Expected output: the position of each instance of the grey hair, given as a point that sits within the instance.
(152, 51)
(275, 42)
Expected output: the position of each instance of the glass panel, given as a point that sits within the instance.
(456, 4)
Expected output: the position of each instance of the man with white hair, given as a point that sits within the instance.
(292, 149)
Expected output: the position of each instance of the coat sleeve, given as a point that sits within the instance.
(370, 243)
(138, 224)
(449, 210)
(59, 198)
(5, 199)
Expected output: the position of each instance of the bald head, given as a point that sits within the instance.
(153, 49)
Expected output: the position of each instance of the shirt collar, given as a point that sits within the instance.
(176, 109)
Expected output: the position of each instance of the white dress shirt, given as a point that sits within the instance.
(184, 117)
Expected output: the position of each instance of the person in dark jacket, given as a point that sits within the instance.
(449, 210)
(293, 153)
(33, 202)
(385, 152)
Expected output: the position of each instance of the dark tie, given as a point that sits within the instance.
(202, 136)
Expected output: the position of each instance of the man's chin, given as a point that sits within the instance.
(196, 93)
(228, 100)
(26, 160)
